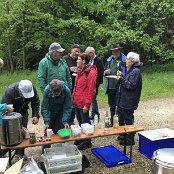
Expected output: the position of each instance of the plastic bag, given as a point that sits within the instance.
(31, 167)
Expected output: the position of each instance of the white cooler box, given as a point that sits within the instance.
(152, 140)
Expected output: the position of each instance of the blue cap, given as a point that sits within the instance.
(76, 46)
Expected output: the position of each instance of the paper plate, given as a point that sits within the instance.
(64, 133)
(74, 74)
(111, 76)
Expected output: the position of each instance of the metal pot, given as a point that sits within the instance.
(11, 129)
(163, 161)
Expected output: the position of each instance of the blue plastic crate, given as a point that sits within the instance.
(152, 140)
(110, 156)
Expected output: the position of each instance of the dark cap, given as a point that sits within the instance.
(76, 46)
(116, 47)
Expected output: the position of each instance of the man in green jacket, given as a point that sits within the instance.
(53, 66)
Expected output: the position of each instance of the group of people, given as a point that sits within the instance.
(70, 84)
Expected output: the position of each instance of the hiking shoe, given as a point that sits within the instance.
(120, 137)
(84, 146)
(78, 142)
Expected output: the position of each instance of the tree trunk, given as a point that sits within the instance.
(23, 39)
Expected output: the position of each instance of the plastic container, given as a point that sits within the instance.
(115, 121)
(62, 156)
(95, 121)
(64, 133)
(110, 156)
(76, 130)
(152, 140)
(87, 129)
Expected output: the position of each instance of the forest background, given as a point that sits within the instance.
(28, 27)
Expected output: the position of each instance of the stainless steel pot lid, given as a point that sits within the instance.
(164, 157)
(11, 116)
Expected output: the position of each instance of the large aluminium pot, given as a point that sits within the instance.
(163, 161)
(11, 129)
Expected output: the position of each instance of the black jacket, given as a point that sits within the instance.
(130, 89)
(100, 69)
(20, 104)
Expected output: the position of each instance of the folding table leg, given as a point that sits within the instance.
(125, 144)
(10, 158)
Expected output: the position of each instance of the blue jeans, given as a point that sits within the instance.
(94, 107)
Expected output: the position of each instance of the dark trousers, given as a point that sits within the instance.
(113, 102)
(126, 117)
(72, 117)
(83, 118)
(55, 125)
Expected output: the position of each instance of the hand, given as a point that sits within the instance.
(73, 69)
(117, 77)
(85, 109)
(107, 72)
(10, 108)
(45, 128)
(119, 73)
(66, 125)
(24, 130)
(35, 120)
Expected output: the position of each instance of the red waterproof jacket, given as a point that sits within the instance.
(85, 87)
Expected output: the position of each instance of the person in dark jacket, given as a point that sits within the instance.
(114, 63)
(71, 60)
(21, 94)
(130, 92)
(96, 61)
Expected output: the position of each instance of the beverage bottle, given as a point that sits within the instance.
(106, 122)
(115, 119)
(95, 121)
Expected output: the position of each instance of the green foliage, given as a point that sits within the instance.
(28, 27)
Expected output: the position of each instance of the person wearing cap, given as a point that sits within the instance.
(53, 66)
(130, 92)
(114, 63)
(71, 60)
(21, 94)
(95, 61)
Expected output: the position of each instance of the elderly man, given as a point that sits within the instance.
(53, 66)
(71, 60)
(21, 94)
(130, 91)
(114, 63)
(96, 61)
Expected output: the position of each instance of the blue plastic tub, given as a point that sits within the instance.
(110, 156)
(152, 140)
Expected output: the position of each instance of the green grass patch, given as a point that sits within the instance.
(158, 81)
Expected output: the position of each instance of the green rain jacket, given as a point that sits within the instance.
(48, 70)
(52, 104)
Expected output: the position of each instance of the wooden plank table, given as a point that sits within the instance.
(97, 133)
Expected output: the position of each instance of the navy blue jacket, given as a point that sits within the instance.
(130, 89)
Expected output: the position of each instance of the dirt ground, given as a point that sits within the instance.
(151, 114)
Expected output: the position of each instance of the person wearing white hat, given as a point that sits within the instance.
(53, 66)
(21, 94)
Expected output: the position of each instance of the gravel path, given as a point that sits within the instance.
(151, 114)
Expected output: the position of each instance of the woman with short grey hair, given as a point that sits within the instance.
(129, 94)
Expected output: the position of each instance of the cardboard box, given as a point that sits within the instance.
(14, 169)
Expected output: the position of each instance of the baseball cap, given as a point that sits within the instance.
(56, 47)
(26, 88)
(76, 46)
